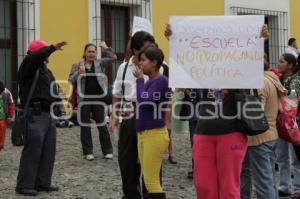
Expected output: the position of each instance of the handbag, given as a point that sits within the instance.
(252, 118)
(19, 127)
(286, 124)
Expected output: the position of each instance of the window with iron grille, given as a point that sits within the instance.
(17, 28)
(111, 21)
(278, 27)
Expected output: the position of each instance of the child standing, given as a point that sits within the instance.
(153, 137)
(6, 111)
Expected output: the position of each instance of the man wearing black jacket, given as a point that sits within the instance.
(38, 155)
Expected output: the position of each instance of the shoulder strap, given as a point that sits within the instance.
(32, 88)
(123, 79)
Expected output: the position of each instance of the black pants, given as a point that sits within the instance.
(38, 155)
(97, 112)
(128, 160)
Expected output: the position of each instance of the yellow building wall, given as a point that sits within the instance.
(162, 9)
(295, 20)
(65, 20)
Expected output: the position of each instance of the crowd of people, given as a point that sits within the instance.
(226, 162)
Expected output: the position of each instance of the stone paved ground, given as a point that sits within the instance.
(99, 179)
(80, 179)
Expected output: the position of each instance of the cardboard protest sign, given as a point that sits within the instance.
(216, 52)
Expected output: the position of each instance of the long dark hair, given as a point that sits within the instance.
(166, 69)
(291, 60)
(138, 39)
(86, 47)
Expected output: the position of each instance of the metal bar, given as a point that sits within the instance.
(5, 50)
(28, 20)
(34, 20)
(96, 22)
(23, 32)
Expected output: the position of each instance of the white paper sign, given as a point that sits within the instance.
(216, 52)
(141, 24)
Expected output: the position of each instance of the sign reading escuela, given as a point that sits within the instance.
(216, 52)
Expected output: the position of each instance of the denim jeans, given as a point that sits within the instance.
(259, 170)
(284, 153)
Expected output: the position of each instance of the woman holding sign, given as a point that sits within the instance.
(219, 145)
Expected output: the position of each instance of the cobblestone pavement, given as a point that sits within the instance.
(80, 179)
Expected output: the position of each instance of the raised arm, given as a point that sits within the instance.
(109, 56)
(41, 55)
(34, 60)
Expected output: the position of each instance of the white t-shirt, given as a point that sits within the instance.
(129, 82)
(293, 51)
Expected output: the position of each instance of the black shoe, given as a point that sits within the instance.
(27, 192)
(130, 197)
(47, 189)
(190, 175)
(155, 196)
(171, 160)
(284, 194)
